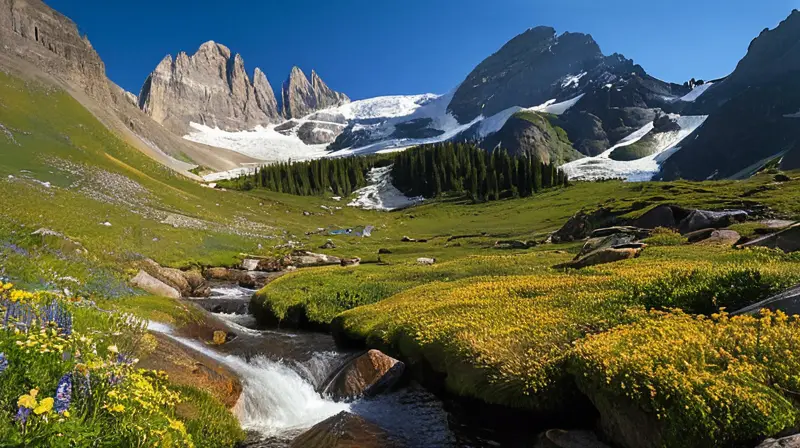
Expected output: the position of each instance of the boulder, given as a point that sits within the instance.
(197, 283)
(368, 375)
(172, 277)
(667, 216)
(426, 261)
(615, 240)
(787, 240)
(787, 301)
(305, 259)
(220, 274)
(344, 430)
(351, 261)
(250, 264)
(699, 235)
(780, 177)
(722, 238)
(557, 438)
(606, 255)
(384, 252)
(636, 232)
(510, 244)
(154, 286)
(328, 245)
(785, 442)
(253, 279)
(576, 228)
(270, 265)
(705, 219)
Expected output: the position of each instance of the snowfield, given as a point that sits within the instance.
(794, 115)
(381, 194)
(641, 170)
(696, 92)
(384, 106)
(262, 143)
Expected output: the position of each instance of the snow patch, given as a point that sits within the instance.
(384, 106)
(263, 143)
(381, 194)
(641, 170)
(573, 81)
(551, 107)
(696, 92)
(795, 115)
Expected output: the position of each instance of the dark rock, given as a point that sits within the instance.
(628, 230)
(344, 430)
(780, 177)
(604, 256)
(316, 133)
(416, 129)
(667, 216)
(663, 123)
(626, 424)
(328, 245)
(787, 301)
(557, 438)
(368, 375)
(699, 235)
(787, 240)
(253, 279)
(576, 228)
(384, 252)
(270, 265)
(351, 261)
(705, 219)
(510, 244)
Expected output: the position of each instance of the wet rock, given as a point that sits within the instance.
(787, 240)
(426, 261)
(626, 424)
(344, 430)
(218, 274)
(328, 245)
(271, 265)
(154, 286)
(667, 216)
(368, 375)
(351, 261)
(253, 279)
(705, 219)
(198, 285)
(190, 368)
(605, 256)
(786, 442)
(557, 438)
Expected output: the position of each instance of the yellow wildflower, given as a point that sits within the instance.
(28, 400)
(45, 406)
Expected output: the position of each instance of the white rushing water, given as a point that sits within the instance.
(275, 400)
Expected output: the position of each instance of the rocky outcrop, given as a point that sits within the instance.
(531, 134)
(705, 219)
(187, 283)
(368, 375)
(605, 255)
(788, 301)
(210, 87)
(723, 237)
(154, 286)
(344, 430)
(32, 31)
(302, 97)
(751, 113)
(785, 442)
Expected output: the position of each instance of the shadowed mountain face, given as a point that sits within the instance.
(753, 113)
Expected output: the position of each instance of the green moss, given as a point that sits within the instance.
(209, 423)
(635, 151)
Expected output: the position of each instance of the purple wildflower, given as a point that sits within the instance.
(63, 393)
(3, 362)
(22, 414)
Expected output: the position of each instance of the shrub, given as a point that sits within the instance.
(665, 237)
(704, 382)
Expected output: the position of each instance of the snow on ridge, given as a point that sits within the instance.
(384, 106)
(573, 80)
(551, 107)
(794, 115)
(381, 194)
(696, 92)
(641, 170)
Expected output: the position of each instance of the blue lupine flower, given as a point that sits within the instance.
(63, 393)
(3, 362)
(22, 414)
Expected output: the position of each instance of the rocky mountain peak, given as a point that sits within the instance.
(302, 97)
(210, 87)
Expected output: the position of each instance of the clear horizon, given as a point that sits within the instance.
(367, 50)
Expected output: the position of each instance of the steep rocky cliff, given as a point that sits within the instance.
(302, 97)
(210, 87)
(32, 31)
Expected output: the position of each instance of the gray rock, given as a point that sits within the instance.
(604, 242)
(705, 219)
(628, 230)
(785, 442)
(210, 87)
(721, 238)
(605, 255)
(368, 375)
(302, 97)
(154, 286)
(305, 259)
(426, 261)
(250, 264)
(787, 301)
(316, 133)
(787, 240)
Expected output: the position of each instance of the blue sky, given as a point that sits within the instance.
(369, 48)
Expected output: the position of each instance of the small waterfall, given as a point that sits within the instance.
(275, 399)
